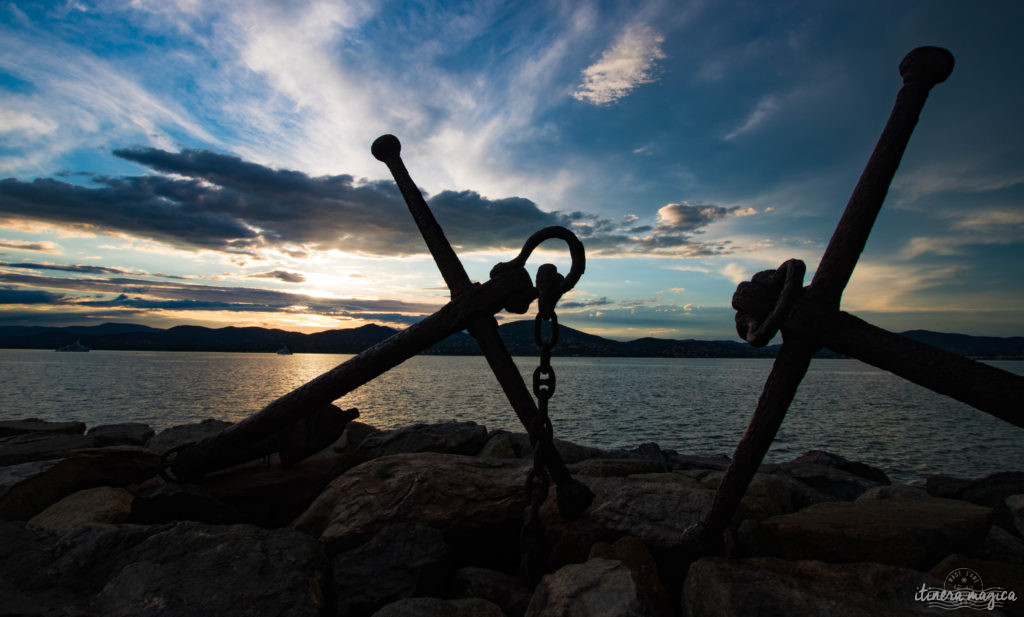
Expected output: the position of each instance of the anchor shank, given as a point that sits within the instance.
(224, 449)
(921, 69)
(779, 389)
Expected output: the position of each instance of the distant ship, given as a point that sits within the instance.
(76, 346)
(284, 351)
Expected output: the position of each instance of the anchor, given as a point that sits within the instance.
(307, 410)
(809, 317)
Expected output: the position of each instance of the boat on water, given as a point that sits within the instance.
(76, 346)
(284, 351)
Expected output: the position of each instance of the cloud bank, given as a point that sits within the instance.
(202, 200)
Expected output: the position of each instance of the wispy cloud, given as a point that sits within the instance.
(768, 106)
(628, 63)
(19, 245)
(281, 275)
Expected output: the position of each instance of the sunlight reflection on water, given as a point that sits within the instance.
(691, 405)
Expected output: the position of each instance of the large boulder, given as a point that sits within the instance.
(655, 511)
(185, 433)
(830, 474)
(906, 533)
(103, 504)
(403, 560)
(167, 570)
(126, 433)
(477, 503)
(30, 488)
(444, 437)
(596, 588)
(990, 491)
(718, 587)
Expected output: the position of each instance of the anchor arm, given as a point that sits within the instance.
(484, 328)
(232, 446)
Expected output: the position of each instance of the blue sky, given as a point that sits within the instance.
(169, 162)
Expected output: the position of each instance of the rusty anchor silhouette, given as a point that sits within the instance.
(809, 317)
(304, 421)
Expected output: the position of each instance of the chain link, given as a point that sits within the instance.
(538, 482)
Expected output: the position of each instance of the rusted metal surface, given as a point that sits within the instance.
(233, 445)
(574, 497)
(809, 318)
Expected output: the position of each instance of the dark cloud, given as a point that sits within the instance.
(42, 247)
(602, 301)
(281, 275)
(171, 295)
(65, 268)
(206, 200)
(28, 296)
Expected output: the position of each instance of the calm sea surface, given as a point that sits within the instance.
(690, 405)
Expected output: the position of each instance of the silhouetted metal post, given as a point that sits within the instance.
(812, 319)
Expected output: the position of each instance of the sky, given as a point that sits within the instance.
(169, 162)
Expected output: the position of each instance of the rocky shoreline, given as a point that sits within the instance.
(425, 520)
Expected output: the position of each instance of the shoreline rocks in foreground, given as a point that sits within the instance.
(425, 520)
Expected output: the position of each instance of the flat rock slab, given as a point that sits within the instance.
(126, 433)
(29, 447)
(436, 607)
(164, 571)
(444, 437)
(30, 488)
(35, 425)
(907, 533)
(719, 587)
(596, 588)
(466, 498)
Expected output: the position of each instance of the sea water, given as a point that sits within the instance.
(698, 406)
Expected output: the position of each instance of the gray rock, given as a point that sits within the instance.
(632, 552)
(718, 587)
(435, 607)
(656, 512)
(103, 504)
(508, 592)
(44, 483)
(907, 533)
(767, 495)
(502, 444)
(475, 502)
(403, 560)
(597, 588)
(28, 447)
(128, 433)
(990, 491)
(185, 433)
(611, 467)
(1001, 545)
(830, 475)
(35, 425)
(179, 569)
(445, 437)
(691, 461)
(893, 491)
(1015, 504)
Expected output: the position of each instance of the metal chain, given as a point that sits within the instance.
(538, 482)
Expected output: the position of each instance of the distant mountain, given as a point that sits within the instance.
(518, 337)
